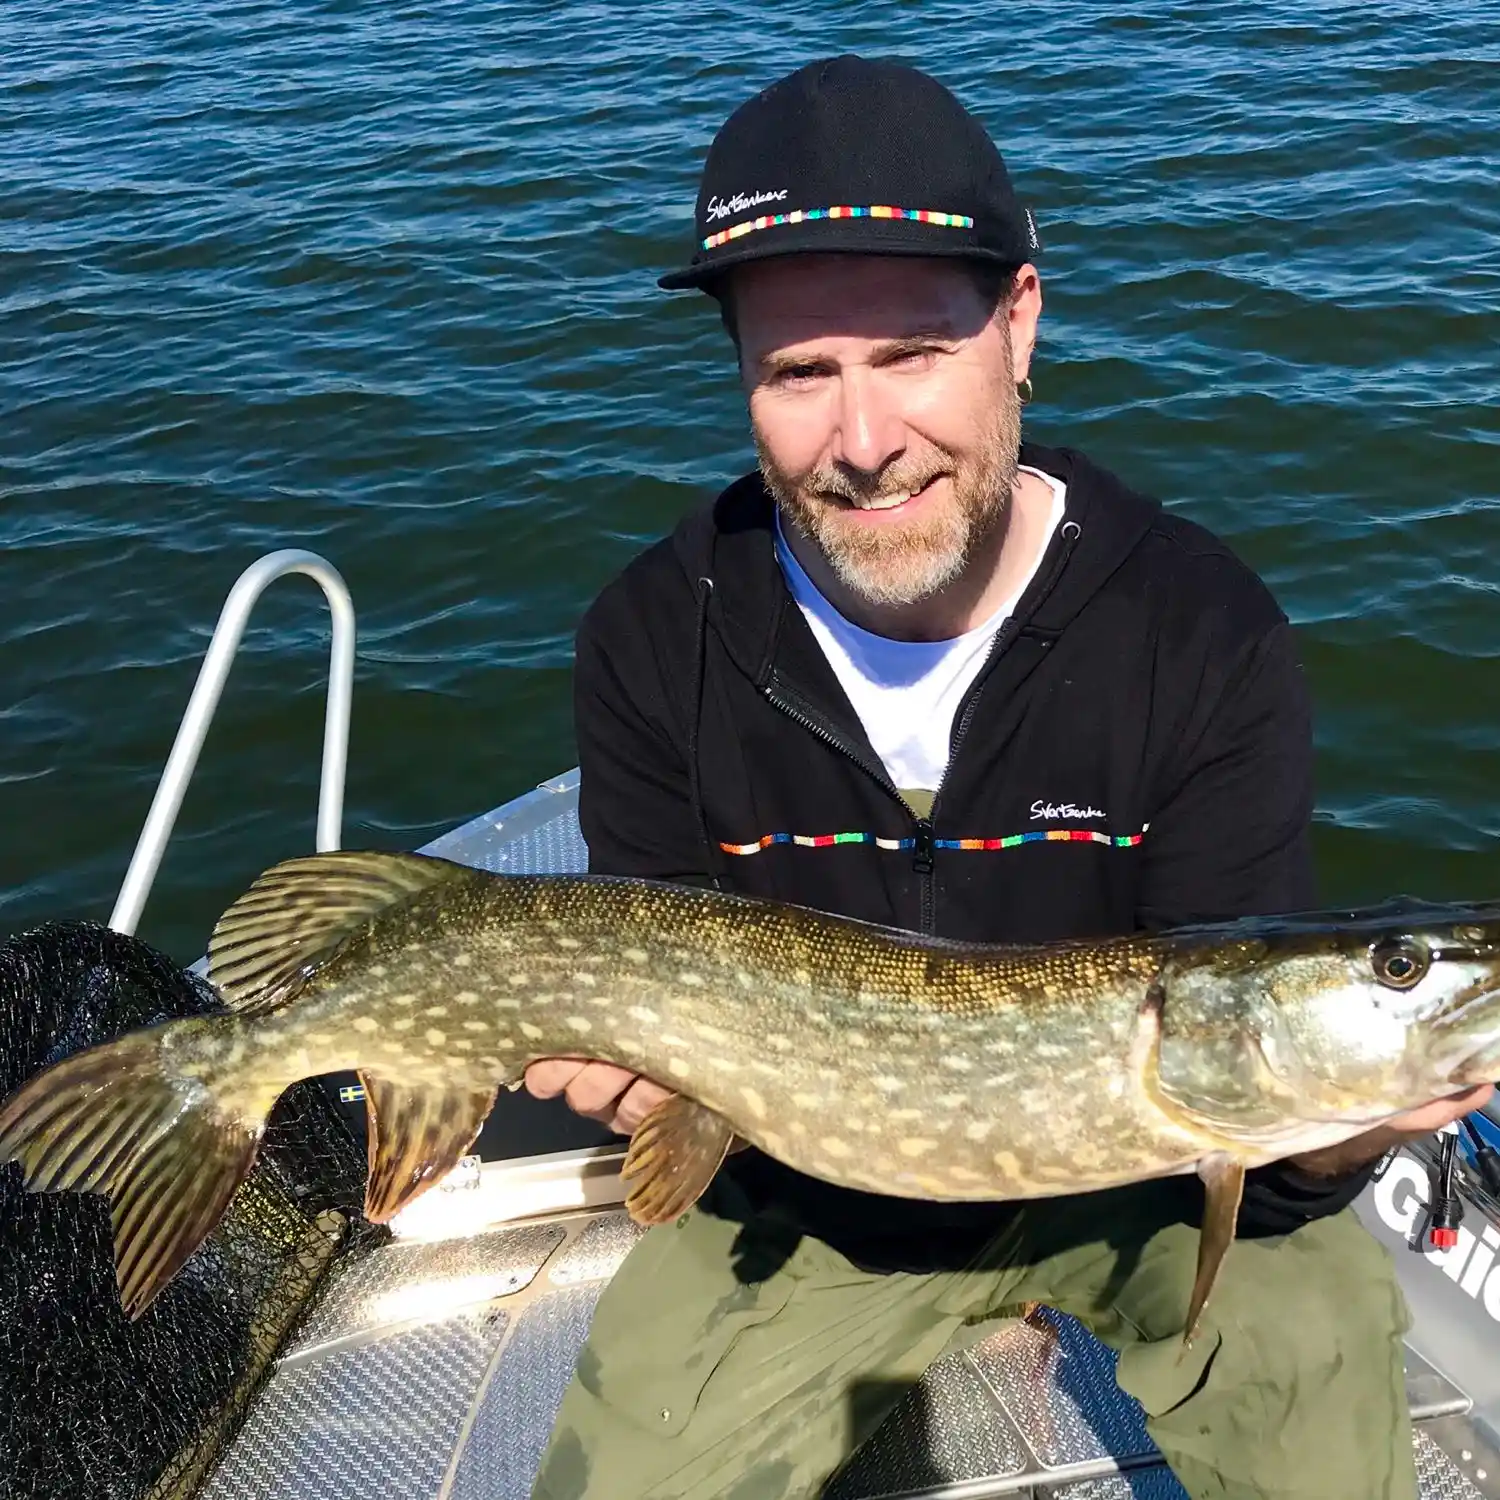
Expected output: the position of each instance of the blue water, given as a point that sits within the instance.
(380, 281)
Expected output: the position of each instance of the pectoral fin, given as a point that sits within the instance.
(417, 1135)
(673, 1156)
(1223, 1183)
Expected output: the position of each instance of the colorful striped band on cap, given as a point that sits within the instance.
(839, 211)
(1009, 841)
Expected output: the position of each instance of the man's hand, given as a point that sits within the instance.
(1334, 1161)
(615, 1097)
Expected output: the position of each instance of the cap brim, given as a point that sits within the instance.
(844, 237)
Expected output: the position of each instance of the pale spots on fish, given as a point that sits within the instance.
(956, 1064)
(403, 999)
(518, 978)
(568, 942)
(835, 1147)
(579, 1024)
(630, 1044)
(914, 1145)
(754, 1103)
(746, 980)
(775, 1144)
(888, 1083)
(642, 1014)
(437, 1012)
(951, 1101)
(807, 1101)
(314, 1039)
(379, 970)
(801, 978)
(436, 1038)
(709, 1034)
(534, 1033)
(476, 1025)
(587, 980)
(724, 1064)
(778, 1043)
(366, 1024)
(461, 1044)
(669, 1039)
(1009, 1165)
(678, 1067)
(463, 960)
(466, 997)
(402, 1023)
(765, 1069)
(900, 1115)
(978, 1130)
(507, 1002)
(635, 955)
(692, 980)
(856, 1039)
(965, 1174)
(817, 1017)
(1000, 1046)
(506, 1043)
(797, 1127)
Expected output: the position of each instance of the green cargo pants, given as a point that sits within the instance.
(731, 1358)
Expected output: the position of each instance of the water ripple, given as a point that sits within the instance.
(379, 281)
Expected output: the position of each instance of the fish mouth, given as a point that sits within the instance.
(1470, 1026)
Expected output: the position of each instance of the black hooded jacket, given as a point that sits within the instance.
(1145, 698)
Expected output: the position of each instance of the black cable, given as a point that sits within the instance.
(1447, 1209)
(1486, 1157)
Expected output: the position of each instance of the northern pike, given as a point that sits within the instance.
(865, 1056)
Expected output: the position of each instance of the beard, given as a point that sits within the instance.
(907, 561)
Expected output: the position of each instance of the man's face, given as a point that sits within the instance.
(883, 402)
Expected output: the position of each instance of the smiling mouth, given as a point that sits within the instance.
(892, 501)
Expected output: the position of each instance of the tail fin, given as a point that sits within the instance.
(113, 1120)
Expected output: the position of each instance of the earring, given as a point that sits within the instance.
(1025, 392)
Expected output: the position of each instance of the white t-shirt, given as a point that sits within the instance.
(906, 692)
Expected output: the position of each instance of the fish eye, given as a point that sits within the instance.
(1399, 963)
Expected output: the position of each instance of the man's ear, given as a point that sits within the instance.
(1022, 315)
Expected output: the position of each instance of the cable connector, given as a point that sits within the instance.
(1446, 1209)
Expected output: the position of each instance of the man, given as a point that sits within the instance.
(921, 637)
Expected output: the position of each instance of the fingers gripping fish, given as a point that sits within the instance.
(868, 1057)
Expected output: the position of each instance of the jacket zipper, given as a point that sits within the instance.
(923, 828)
(1003, 638)
(829, 737)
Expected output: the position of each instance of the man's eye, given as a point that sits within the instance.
(796, 374)
(920, 356)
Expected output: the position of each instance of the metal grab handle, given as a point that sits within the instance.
(243, 597)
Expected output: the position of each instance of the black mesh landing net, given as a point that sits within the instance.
(91, 1404)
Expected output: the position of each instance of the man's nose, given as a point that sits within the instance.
(870, 430)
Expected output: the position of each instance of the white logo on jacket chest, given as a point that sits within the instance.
(1050, 811)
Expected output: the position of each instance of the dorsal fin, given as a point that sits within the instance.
(299, 911)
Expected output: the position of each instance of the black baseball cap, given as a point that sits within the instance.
(859, 155)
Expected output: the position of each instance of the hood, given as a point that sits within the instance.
(732, 543)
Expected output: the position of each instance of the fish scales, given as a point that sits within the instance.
(864, 1056)
(919, 1068)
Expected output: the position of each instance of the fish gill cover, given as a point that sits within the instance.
(90, 1403)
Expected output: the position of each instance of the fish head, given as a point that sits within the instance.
(1334, 1019)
